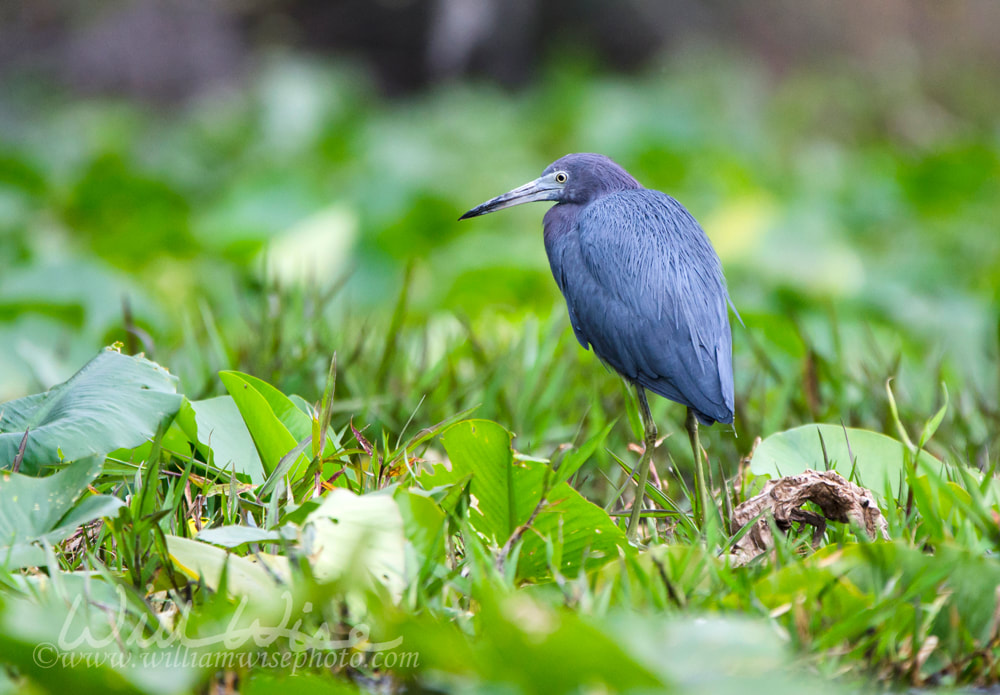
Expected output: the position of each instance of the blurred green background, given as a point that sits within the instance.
(259, 186)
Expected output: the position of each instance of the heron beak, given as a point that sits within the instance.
(543, 188)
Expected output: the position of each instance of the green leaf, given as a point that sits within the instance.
(114, 402)
(506, 492)
(237, 535)
(482, 448)
(33, 508)
(175, 440)
(268, 414)
(357, 540)
(89, 509)
(205, 563)
(448, 496)
(877, 463)
(284, 408)
(216, 426)
(587, 536)
(281, 471)
(424, 526)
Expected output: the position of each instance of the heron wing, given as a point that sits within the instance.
(649, 296)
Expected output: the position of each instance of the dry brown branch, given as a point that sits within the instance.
(782, 500)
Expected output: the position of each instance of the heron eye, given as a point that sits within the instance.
(561, 177)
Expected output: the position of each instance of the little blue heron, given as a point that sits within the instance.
(644, 289)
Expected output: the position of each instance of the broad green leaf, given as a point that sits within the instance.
(357, 540)
(114, 402)
(87, 510)
(482, 448)
(300, 403)
(216, 425)
(280, 472)
(877, 459)
(505, 493)
(587, 535)
(33, 508)
(424, 526)
(449, 495)
(270, 434)
(204, 562)
(175, 440)
(237, 535)
(284, 407)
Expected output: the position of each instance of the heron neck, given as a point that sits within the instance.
(559, 220)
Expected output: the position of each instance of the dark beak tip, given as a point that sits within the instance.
(468, 215)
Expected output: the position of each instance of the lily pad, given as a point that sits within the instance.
(33, 509)
(114, 402)
(868, 458)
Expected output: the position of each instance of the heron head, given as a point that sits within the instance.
(575, 178)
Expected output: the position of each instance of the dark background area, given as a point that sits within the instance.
(169, 50)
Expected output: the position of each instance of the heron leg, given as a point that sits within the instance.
(645, 461)
(701, 496)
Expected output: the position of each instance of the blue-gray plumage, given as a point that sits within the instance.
(644, 289)
(642, 283)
